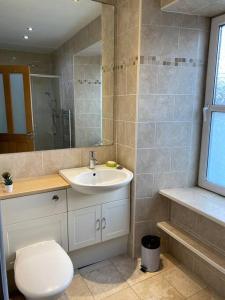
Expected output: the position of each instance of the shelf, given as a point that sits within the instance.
(208, 254)
(201, 201)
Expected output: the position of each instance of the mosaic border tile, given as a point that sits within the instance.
(171, 61)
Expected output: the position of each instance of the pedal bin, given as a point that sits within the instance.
(150, 253)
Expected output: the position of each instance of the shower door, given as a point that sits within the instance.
(16, 126)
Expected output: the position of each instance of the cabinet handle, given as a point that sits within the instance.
(55, 198)
(98, 225)
(103, 223)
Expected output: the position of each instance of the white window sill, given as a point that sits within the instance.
(201, 201)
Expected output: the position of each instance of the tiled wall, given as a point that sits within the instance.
(88, 106)
(127, 69)
(64, 64)
(171, 93)
(126, 89)
(208, 232)
(38, 63)
(33, 164)
(108, 59)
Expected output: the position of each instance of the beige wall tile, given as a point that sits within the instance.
(153, 160)
(160, 41)
(148, 79)
(126, 108)
(188, 43)
(145, 185)
(213, 278)
(155, 209)
(155, 108)
(54, 160)
(181, 253)
(170, 180)
(103, 154)
(126, 133)
(126, 157)
(180, 159)
(22, 165)
(146, 135)
(173, 134)
(184, 106)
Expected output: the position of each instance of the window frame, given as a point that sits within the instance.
(210, 107)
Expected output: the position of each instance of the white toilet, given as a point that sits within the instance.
(43, 270)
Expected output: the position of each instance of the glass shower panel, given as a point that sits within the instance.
(3, 121)
(18, 103)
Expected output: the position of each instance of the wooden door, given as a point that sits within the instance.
(84, 227)
(16, 124)
(115, 219)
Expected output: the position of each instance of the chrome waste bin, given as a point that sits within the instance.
(150, 253)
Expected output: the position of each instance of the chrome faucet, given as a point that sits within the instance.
(92, 160)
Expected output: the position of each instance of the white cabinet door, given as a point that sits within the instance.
(115, 219)
(22, 234)
(84, 227)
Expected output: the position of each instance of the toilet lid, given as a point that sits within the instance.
(42, 270)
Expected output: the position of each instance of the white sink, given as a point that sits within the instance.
(101, 179)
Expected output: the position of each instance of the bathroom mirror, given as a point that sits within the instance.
(56, 74)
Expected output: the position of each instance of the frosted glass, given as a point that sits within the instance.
(219, 92)
(3, 120)
(216, 161)
(17, 93)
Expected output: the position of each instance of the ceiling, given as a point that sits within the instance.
(207, 8)
(53, 22)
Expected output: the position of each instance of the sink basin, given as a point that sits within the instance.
(101, 179)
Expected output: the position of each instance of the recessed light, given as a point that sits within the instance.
(26, 37)
(76, 0)
(29, 28)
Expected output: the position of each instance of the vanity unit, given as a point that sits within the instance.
(81, 223)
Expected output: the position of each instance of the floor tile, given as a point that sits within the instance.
(186, 283)
(95, 266)
(78, 289)
(205, 294)
(156, 288)
(103, 280)
(125, 294)
(130, 268)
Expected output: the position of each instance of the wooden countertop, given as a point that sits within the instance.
(34, 185)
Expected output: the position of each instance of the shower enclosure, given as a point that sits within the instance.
(52, 123)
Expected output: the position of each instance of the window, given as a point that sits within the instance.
(212, 164)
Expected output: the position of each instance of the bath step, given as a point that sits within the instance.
(202, 250)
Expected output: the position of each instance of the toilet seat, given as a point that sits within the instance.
(42, 270)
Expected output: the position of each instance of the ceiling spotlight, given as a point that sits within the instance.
(29, 28)
(76, 0)
(26, 37)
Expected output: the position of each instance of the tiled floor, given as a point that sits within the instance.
(120, 279)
